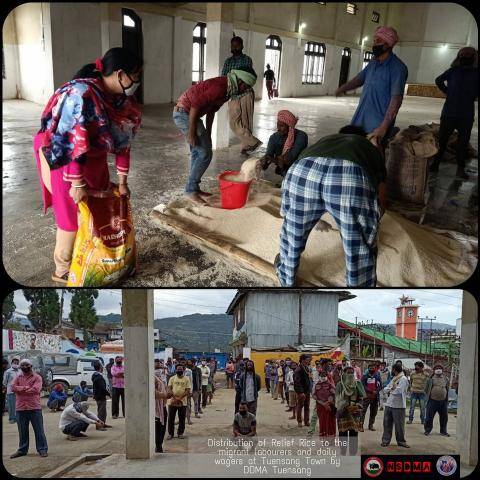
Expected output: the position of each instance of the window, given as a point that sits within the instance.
(128, 21)
(87, 365)
(199, 51)
(352, 8)
(313, 63)
(375, 17)
(367, 56)
(273, 42)
(346, 52)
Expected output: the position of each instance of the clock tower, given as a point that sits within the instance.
(407, 316)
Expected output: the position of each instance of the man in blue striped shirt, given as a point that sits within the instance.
(241, 105)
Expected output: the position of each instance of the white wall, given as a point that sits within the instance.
(35, 81)
(157, 53)
(81, 32)
(182, 79)
(10, 84)
(74, 25)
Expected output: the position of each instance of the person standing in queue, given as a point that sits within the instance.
(118, 387)
(85, 119)
(27, 388)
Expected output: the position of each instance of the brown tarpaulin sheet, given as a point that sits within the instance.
(408, 254)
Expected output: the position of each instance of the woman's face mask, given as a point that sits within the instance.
(130, 90)
(438, 371)
(323, 379)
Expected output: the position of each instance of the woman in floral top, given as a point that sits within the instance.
(84, 120)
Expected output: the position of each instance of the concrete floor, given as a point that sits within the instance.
(158, 174)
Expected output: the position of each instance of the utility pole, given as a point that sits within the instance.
(374, 336)
(60, 318)
(300, 341)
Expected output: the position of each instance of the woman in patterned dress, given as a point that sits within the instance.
(85, 119)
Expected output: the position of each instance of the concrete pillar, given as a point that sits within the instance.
(137, 318)
(219, 34)
(467, 419)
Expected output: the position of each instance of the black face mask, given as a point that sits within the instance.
(371, 372)
(25, 369)
(118, 363)
(466, 61)
(180, 373)
(243, 413)
(377, 50)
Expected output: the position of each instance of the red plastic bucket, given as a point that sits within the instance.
(233, 194)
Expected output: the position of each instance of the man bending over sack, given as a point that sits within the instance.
(285, 145)
(342, 174)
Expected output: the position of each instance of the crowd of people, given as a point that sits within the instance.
(183, 388)
(341, 395)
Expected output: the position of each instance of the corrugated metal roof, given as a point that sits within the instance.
(342, 294)
(399, 342)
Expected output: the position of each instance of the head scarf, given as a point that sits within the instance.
(81, 407)
(387, 34)
(234, 75)
(466, 52)
(58, 387)
(289, 119)
(25, 361)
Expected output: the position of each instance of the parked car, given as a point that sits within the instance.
(38, 364)
(70, 369)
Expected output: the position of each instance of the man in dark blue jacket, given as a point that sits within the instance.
(458, 111)
(100, 393)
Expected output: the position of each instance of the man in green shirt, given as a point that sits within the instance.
(241, 104)
(342, 174)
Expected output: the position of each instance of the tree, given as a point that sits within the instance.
(82, 310)
(8, 309)
(44, 308)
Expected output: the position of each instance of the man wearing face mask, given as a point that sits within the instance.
(241, 104)
(27, 387)
(244, 422)
(372, 384)
(250, 384)
(383, 81)
(303, 386)
(75, 420)
(418, 382)
(179, 389)
(460, 84)
(395, 408)
(8, 378)
(205, 376)
(437, 389)
(118, 387)
(240, 369)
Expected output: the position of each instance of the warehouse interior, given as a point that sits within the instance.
(44, 44)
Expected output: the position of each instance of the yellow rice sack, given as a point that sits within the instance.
(104, 251)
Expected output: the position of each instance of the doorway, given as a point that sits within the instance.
(273, 56)
(132, 39)
(345, 66)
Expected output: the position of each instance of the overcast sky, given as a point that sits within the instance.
(377, 305)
